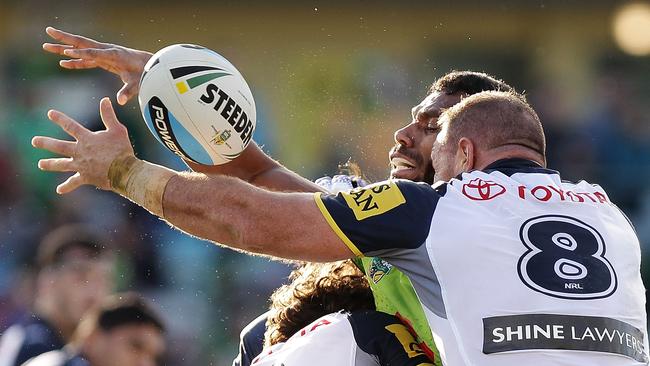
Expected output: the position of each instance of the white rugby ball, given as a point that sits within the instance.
(197, 104)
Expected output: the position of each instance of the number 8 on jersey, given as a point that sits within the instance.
(565, 259)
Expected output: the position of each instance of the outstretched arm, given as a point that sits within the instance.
(253, 165)
(260, 170)
(218, 208)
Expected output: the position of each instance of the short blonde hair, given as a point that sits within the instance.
(496, 118)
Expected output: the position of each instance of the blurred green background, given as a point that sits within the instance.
(332, 80)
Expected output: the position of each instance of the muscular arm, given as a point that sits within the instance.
(227, 210)
(236, 214)
(259, 169)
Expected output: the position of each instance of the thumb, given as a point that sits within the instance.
(107, 113)
(128, 91)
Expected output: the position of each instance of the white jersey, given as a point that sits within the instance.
(366, 338)
(512, 265)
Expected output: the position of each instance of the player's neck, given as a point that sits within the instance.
(507, 152)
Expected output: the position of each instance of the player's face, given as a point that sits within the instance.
(128, 345)
(410, 158)
(445, 156)
(81, 282)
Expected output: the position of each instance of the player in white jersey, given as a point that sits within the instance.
(325, 316)
(552, 267)
(511, 265)
(362, 338)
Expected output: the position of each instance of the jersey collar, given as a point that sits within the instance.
(517, 165)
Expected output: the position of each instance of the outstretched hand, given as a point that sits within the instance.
(91, 154)
(86, 53)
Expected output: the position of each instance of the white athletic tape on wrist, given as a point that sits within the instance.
(141, 182)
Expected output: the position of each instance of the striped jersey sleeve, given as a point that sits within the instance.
(394, 214)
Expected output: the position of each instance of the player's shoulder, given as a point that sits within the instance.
(251, 341)
(367, 325)
(57, 358)
(385, 337)
(255, 328)
(334, 326)
(505, 177)
(399, 190)
(52, 358)
(328, 321)
(381, 197)
(512, 166)
(416, 189)
(39, 332)
(525, 180)
(28, 338)
(370, 321)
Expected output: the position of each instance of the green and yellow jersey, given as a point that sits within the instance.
(394, 294)
(393, 291)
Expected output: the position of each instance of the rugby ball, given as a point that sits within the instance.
(197, 104)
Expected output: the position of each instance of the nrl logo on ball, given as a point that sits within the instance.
(220, 137)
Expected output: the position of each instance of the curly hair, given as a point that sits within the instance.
(316, 289)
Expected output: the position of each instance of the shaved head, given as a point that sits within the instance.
(496, 124)
(495, 119)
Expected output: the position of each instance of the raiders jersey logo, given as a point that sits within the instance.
(374, 199)
(378, 269)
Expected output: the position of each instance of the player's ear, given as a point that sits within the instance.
(466, 154)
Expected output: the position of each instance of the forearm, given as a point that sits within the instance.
(229, 211)
(222, 209)
(260, 170)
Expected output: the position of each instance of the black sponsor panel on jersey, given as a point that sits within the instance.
(562, 332)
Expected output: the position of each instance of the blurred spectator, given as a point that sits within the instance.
(74, 274)
(620, 127)
(122, 331)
